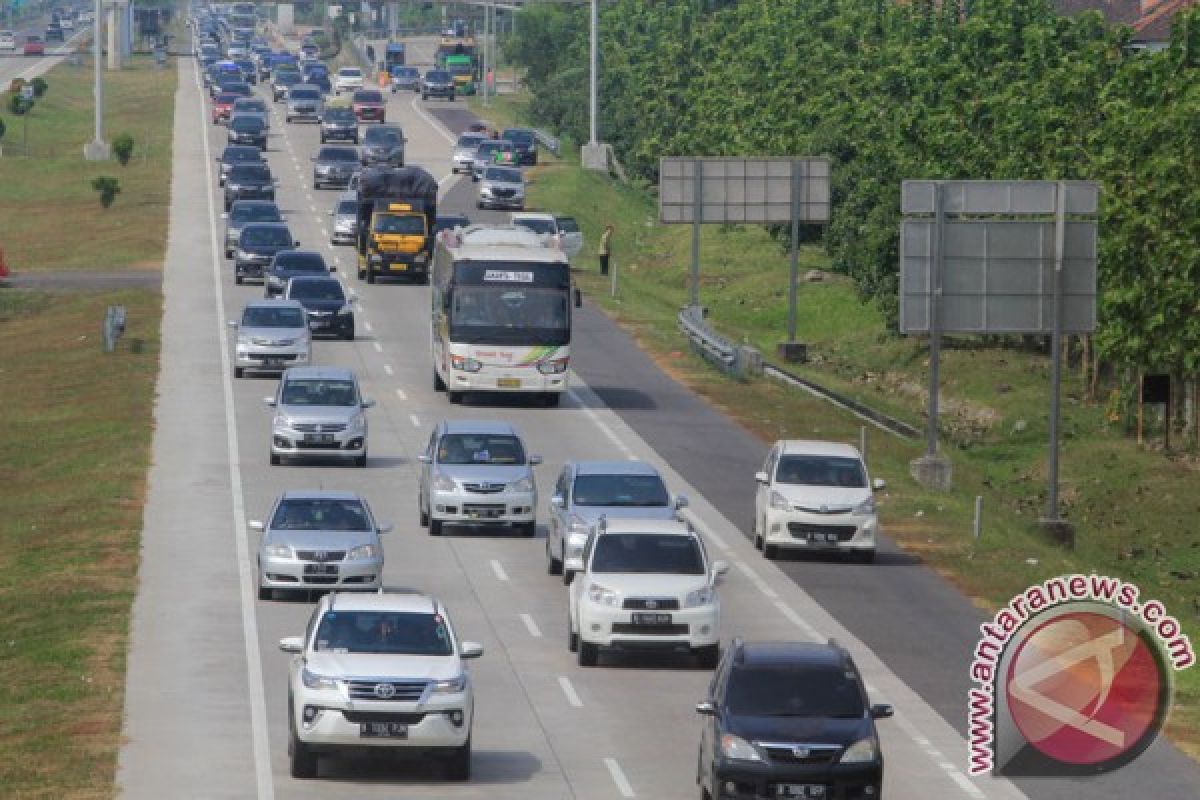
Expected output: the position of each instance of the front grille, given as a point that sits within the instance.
(321, 580)
(804, 530)
(484, 488)
(674, 629)
(404, 718)
(319, 427)
(403, 691)
(302, 445)
(651, 603)
(271, 356)
(808, 754)
(483, 510)
(504, 192)
(320, 555)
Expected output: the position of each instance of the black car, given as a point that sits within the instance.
(249, 71)
(249, 182)
(437, 83)
(290, 264)
(322, 82)
(407, 78)
(235, 154)
(325, 302)
(243, 213)
(257, 246)
(445, 222)
(524, 143)
(248, 129)
(284, 79)
(333, 166)
(383, 145)
(789, 719)
(339, 123)
(231, 84)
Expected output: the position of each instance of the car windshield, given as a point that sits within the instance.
(337, 154)
(263, 317)
(821, 471)
(437, 75)
(247, 124)
(536, 225)
(340, 115)
(254, 213)
(368, 97)
(502, 175)
(480, 448)
(318, 392)
(250, 173)
(508, 308)
(317, 290)
(524, 138)
(382, 136)
(305, 94)
(320, 514)
(411, 224)
(567, 224)
(300, 262)
(469, 142)
(347, 207)
(669, 554)
(620, 490)
(350, 72)
(287, 77)
(446, 223)
(250, 104)
(486, 148)
(794, 691)
(266, 237)
(388, 632)
(406, 72)
(226, 98)
(242, 154)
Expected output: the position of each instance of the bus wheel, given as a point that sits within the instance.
(439, 385)
(550, 399)
(454, 397)
(370, 275)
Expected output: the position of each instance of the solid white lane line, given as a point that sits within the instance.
(367, 326)
(798, 620)
(388, 369)
(378, 347)
(437, 126)
(501, 575)
(400, 393)
(415, 420)
(258, 705)
(531, 626)
(614, 769)
(569, 691)
(707, 532)
(756, 579)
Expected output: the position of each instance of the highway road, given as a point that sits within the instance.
(17, 65)
(206, 684)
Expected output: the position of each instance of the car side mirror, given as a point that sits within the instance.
(882, 711)
(535, 460)
(878, 483)
(719, 568)
(333, 269)
(292, 644)
(558, 501)
(296, 243)
(224, 215)
(424, 459)
(470, 650)
(761, 477)
(681, 501)
(270, 401)
(385, 527)
(367, 403)
(256, 525)
(706, 708)
(578, 299)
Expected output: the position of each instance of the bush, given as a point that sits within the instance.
(39, 86)
(108, 187)
(18, 105)
(122, 148)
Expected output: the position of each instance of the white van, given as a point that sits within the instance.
(566, 228)
(8, 41)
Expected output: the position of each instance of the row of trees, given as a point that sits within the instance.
(1005, 89)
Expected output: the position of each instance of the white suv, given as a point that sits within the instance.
(644, 584)
(348, 79)
(379, 671)
(815, 496)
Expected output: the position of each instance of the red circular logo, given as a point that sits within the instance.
(1084, 688)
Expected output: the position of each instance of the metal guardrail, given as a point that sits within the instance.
(707, 342)
(547, 141)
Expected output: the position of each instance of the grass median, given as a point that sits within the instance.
(50, 216)
(1134, 508)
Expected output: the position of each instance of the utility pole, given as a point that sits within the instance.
(592, 73)
(97, 149)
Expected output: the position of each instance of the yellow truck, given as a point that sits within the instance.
(397, 209)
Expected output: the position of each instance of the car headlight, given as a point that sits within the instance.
(522, 485)
(862, 751)
(357, 422)
(737, 748)
(452, 686)
(866, 506)
(700, 597)
(314, 681)
(443, 483)
(779, 502)
(601, 595)
(346, 309)
(243, 342)
(278, 550)
(282, 421)
(241, 254)
(363, 551)
(555, 366)
(465, 364)
(485, 191)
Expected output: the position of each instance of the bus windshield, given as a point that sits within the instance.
(509, 315)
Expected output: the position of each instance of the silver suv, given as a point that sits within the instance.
(319, 540)
(271, 335)
(380, 671)
(477, 473)
(588, 490)
(304, 102)
(319, 414)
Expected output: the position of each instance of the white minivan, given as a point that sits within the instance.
(8, 41)
(566, 228)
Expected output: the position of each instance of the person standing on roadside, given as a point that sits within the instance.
(605, 248)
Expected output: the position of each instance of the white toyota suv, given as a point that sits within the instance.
(380, 670)
(644, 585)
(348, 79)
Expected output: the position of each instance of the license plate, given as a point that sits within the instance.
(509, 383)
(651, 619)
(272, 362)
(318, 438)
(810, 791)
(320, 569)
(319, 323)
(816, 537)
(383, 730)
(398, 266)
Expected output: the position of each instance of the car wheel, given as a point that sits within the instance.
(238, 372)
(527, 529)
(322, 140)
(758, 541)
(479, 204)
(265, 594)
(435, 527)
(275, 460)
(865, 556)
(770, 551)
(572, 637)
(238, 279)
(707, 656)
(370, 275)
(348, 335)
(303, 762)
(589, 654)
(422, 516)
(568, 576)
(439, 385)
(454, 397)
(551, 399)
(424, 96)
(360, 461)
(553, 565)
(229, 254)
(458, 767)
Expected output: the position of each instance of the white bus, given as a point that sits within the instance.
(501, 317)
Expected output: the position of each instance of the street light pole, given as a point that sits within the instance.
(594, 48)
(97, 149)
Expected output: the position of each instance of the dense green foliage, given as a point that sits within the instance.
(122, 147)
(1003, 89)
(108, 187)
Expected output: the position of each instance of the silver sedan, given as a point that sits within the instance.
(272, 335)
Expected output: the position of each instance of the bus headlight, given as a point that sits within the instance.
(555, 366)
(465, 364)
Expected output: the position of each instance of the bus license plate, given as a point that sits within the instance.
(398, 266)
(509, 383)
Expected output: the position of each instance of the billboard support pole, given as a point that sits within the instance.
(1060, 234)
(795, 260)
(697, 214)
(935, 328)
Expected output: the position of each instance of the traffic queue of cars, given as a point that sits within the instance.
(380, 668)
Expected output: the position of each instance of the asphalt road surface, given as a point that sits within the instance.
(206, 685)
